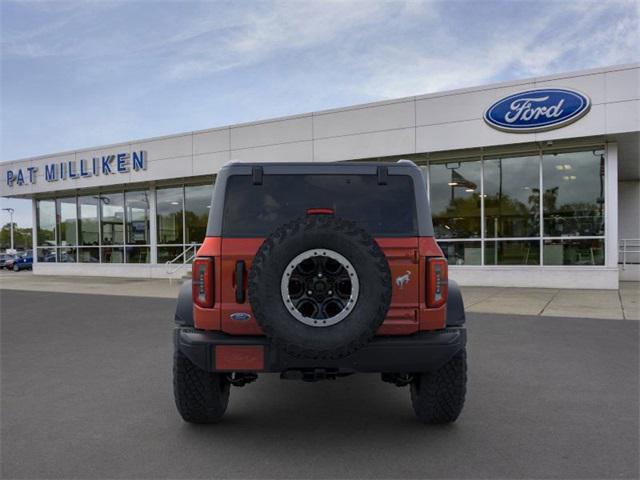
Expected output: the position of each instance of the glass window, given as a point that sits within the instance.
(47, 254)
(512, 197)
(112, 255)
(112, 218)
(46, 217)
(88, 220)
(257, 210)
(455, 199)
(166, 254)
(169, 209)
(67, 221)
(89, 255)
(196, 211)
(574, 252)
(137, 216)
(512, 252)
(462, 253)
(573, 198)
(137, 254)
(66, 255)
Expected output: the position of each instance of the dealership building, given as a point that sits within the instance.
(533, 182)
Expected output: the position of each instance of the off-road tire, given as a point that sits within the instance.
(438, 397)
(201, 397)
(316, 232)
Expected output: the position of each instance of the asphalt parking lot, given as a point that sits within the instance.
(86, 393)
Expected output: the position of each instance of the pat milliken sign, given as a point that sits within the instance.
(537, 110)
(105, 165)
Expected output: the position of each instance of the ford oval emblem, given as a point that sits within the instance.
(537, 110)
(240, 316)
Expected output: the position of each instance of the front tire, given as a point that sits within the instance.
(438, 397)
(201, 397)
(16, 268)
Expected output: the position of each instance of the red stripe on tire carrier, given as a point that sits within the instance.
(237, 358)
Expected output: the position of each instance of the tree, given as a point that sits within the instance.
(22, 237)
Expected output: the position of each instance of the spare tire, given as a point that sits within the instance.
(320, 287)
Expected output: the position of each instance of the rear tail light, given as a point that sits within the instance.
(202, 282)
(437, 282)
(320, 211)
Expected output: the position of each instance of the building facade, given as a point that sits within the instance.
(532, 183)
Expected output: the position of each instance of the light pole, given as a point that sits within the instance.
(10, 210)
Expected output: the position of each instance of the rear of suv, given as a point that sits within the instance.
(318, 271)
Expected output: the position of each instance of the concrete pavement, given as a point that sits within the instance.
(606, 304)
(86, 393)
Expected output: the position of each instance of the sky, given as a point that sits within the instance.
(87, 73)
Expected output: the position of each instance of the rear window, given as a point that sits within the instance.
(257, 210)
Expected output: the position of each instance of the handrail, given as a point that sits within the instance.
(188, 254)
(628, 245)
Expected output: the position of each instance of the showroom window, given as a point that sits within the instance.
(182, 216)
(91, 228)
(67, 216)
(137, 227)
(112, 228)
(115, 227)
(489, 210)
(573, 207)
(88, 229)
(46, 230)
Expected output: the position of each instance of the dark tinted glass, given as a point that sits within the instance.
(573, 198)
(455, 199)
(197, 202)
(257, 210)
(137, 216)
(46, 222)
(169, 202)
(112, 216)
(512, 197)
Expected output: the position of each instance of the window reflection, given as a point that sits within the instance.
(196, 211)
(169, 208)
(512, 252)
(112, 218)
(574, 252)
(67, 219)
(462, 253)
(573, 198)
(88, 220)
(455, 199)
(46, 218)
(512, 196)
(137, 217)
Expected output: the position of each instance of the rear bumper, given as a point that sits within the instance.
(420, 352)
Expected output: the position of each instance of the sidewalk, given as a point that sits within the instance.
(609, 304)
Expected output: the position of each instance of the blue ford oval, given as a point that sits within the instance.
(537, 110)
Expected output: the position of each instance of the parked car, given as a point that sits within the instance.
(4, 258)
(23, 261)
(318, 271)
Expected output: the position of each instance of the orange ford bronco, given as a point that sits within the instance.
(317, 271)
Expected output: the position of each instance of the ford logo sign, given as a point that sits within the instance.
(240, 316)
(537, 110)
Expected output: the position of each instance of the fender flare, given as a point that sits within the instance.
(455, 306)
(184, 309)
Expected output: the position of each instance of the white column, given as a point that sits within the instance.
(34, 232)
(153, 234)
(611, 205)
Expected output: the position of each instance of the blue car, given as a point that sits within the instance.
(23, 262)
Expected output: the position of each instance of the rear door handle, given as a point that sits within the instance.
(240, 281)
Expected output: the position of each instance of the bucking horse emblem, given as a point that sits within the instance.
(402, 280)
